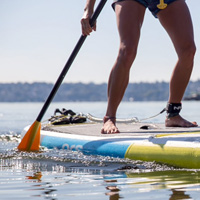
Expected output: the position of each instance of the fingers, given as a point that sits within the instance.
(86, 28)
(94, 27)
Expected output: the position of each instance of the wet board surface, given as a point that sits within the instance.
(135, 129)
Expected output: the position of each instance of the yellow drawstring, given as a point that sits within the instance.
(162, 5)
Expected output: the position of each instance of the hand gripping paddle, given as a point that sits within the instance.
(31, 140)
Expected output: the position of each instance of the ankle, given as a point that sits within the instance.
(173, 109)
(106, 118)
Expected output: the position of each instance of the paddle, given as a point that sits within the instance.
(31, 140)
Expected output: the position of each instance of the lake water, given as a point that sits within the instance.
(60, 174)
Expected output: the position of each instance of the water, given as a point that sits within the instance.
(59, 174)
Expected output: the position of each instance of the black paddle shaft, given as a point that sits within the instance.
(69, 62)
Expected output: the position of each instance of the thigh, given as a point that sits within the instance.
(130, 15)
(177, 21)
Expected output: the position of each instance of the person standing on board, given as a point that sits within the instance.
(175, 17)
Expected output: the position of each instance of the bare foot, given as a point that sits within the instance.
(178, 121)
(109, 127)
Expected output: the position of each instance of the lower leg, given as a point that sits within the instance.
(177, 21)
(179, 80)
(181, 76)
(118, 81)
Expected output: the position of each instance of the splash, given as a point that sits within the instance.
(74, 159)
(10, 137)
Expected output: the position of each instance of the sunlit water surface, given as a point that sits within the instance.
(60, 174)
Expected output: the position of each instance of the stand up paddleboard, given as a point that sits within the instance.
(137, 141)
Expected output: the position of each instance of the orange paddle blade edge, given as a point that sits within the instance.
(31, 140)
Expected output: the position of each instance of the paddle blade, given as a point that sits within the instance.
(31, 140)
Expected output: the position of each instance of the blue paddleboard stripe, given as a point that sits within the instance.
(103, 147)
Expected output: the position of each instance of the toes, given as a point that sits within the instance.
(109, 131)
(194, 123)
(103, 131)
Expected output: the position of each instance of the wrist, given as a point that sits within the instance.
(88, 11)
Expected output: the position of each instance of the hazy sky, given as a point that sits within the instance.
(37, 37)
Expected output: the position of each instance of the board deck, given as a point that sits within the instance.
(94, 129)
(174, 146)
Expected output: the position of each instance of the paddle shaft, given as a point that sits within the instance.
(69, 62)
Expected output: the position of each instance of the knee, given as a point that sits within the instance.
(187, 53)
(127, 54)
(191, 50)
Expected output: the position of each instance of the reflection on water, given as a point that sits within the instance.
(113, 190)
(55, 181)
(176, 194)
(178, 182)
(36, 176)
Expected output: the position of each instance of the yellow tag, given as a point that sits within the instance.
(162, 5)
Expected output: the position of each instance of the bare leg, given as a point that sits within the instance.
(130, 16)
(177, 22)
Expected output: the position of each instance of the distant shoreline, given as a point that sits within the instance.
(39, 91)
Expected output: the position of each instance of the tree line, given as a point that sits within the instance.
(38, 91)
